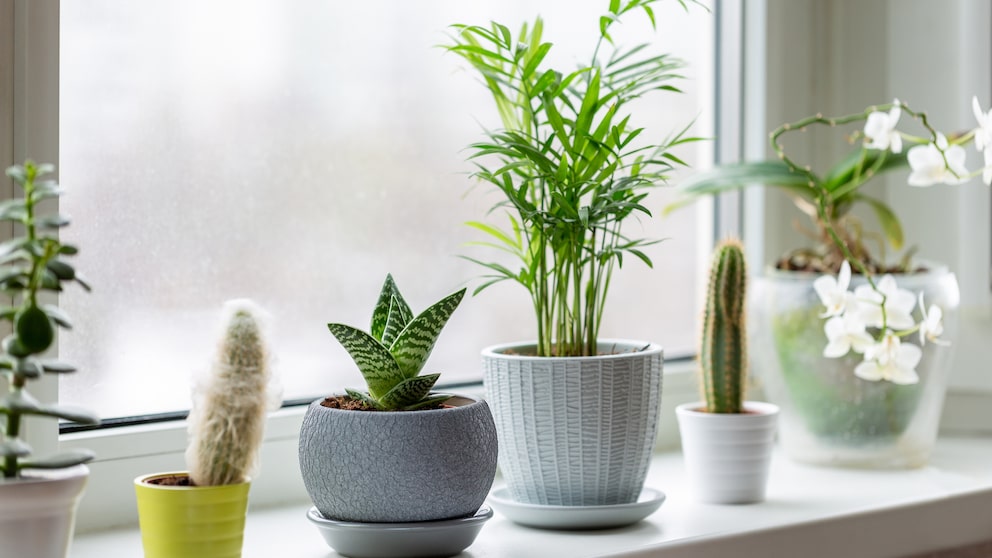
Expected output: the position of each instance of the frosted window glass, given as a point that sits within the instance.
(296, 152)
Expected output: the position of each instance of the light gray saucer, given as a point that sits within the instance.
(426, 539)
(577, 517)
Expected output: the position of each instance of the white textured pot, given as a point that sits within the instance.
(727, 455)
(575, 431)
(38, 512)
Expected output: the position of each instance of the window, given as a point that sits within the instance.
(295, 155)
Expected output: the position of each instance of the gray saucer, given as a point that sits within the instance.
(426, 539)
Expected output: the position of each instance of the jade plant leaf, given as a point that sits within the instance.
(59, 461)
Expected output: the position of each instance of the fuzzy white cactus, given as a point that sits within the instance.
(228, 416)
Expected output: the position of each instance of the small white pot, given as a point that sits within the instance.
(38, 512)
(727, 455)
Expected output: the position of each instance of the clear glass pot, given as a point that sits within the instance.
(829, 416)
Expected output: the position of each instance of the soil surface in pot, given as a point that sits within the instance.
(173, 480)
(348, 404)
(814, 262)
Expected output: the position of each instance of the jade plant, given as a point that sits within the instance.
(228, 416)
(31, 265)
(391, 355)
(723, 351)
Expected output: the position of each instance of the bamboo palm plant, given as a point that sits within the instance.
(571, 164)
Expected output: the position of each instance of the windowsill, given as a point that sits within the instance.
(809, 512)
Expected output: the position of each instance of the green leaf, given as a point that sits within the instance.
(14, 447)
(22, 402)
(57, 367)
(417, 340)
(380, 314)
(375, 363)
(363, 397)
(409, 391)
(59, 461)
(14, 209)
(34, 329)
(428, 402)
(886, 218)
(736, 176)
(62, 270)
(52, 221)
(57, 315)
(399, 317)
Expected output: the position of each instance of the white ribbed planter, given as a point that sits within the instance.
(575, 431)
(38, 512)
(727, 455)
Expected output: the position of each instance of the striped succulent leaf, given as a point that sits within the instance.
(383, 308)
(415, 343)
(377, 366)
(399, 317)
(409, 392)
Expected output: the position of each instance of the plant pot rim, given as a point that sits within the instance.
(39, 476)
(470, 400)
(756, 409)
(143, 481)
(933, 269)
(499, 351)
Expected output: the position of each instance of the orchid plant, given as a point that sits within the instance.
(875, 318)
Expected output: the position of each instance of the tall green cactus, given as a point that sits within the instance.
(227, 421)
(723, 350)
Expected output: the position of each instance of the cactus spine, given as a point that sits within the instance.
(723, 351)
(228, 416)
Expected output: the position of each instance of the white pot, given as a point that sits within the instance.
(38, 512)
(575, 431)
(727, 455)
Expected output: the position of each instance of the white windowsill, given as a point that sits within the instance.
(810, 512)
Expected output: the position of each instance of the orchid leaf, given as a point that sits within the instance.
(886, 218)
(728, 178)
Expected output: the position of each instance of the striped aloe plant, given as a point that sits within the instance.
(391, 355)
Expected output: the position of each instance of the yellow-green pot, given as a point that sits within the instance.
(186, 521)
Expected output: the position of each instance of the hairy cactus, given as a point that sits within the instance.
(228, 416)
(394, 351)
(723, 351)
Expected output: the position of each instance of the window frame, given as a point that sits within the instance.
(30, 45)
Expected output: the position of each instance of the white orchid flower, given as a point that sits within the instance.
(880, 129)
(983, 138)
(928, 166)
(931, 327)
(833, 291)
(891, 360)
(898, 305)
(845, 333)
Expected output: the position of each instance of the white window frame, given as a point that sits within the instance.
(29, 111)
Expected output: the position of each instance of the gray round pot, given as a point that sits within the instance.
(389, 467)
(575, 431)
